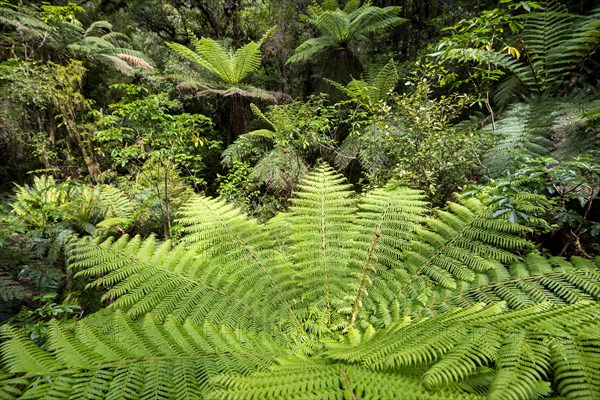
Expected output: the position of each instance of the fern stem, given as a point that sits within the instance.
(349, 385)
(363, 279)
(323, 248)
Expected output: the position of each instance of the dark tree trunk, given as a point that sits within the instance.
(237, 118)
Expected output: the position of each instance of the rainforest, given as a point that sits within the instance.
(300, 199)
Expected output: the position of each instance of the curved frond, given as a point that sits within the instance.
(374, 19)
(311, 380)
(99, 28)
(335, 24)
(145, 276)
(456, 344)
(311, 48)
(536, 279)
(386, 223)
(123, 359)
(246, 60)
(523, 130)
(462, 241)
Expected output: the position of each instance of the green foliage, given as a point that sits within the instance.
(34, 322)
(143, 126)
(557, 195)
(172, 361)
(269, 162)
(412, 142)
(341, 28)
(227, 70)
(552, 44)
(322, 301)
(525, 283)
(342, 34)
(521, 132)
(228, 67)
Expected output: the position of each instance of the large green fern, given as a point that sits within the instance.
(344, 296)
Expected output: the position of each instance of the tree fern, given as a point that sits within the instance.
(521, 132)
(553, 44)
(336, 298)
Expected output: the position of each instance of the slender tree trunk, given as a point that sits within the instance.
(237, 118)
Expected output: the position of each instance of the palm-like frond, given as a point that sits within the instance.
(457, 344)
(311, 48)
(228, 66)
(374, 90)
(554, 43)
(339, 28)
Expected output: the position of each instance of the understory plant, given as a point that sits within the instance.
(343, 296)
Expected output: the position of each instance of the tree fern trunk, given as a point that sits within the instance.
(237, 118)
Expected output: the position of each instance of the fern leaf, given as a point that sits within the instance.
(386, 223)
(463, 240)
(321, 239)
(148, 277)
(533, 280)
(311, 380)
(155, 360)
(522, 131)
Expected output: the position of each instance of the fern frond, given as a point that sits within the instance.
(145, 276)
(247, 144)
(522, 131)
(245, 61)
(311, 48)
(320, 243)
(461, 241)
(312, 380)
(133, 360)
(371, 19)
(114, 203)
(334, 23)
(280, 169)
(576, 365)
(456, 344)
(386, 223)
(536, 279)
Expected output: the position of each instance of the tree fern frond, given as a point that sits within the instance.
(374, 19)
(148, 277)
(384, 81)
(518, 343)
(280, 169)
(135, 61)
(461, 241)
(335, 23)
(321, 238)
(386, 223)
(245, 61)
(248, 144)
(576, 365)
(517, 353)
(215, 58)
(150, 359)
(310, 48)
(311, 380)
(523, 130)
(533, 280)
(115, 203)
